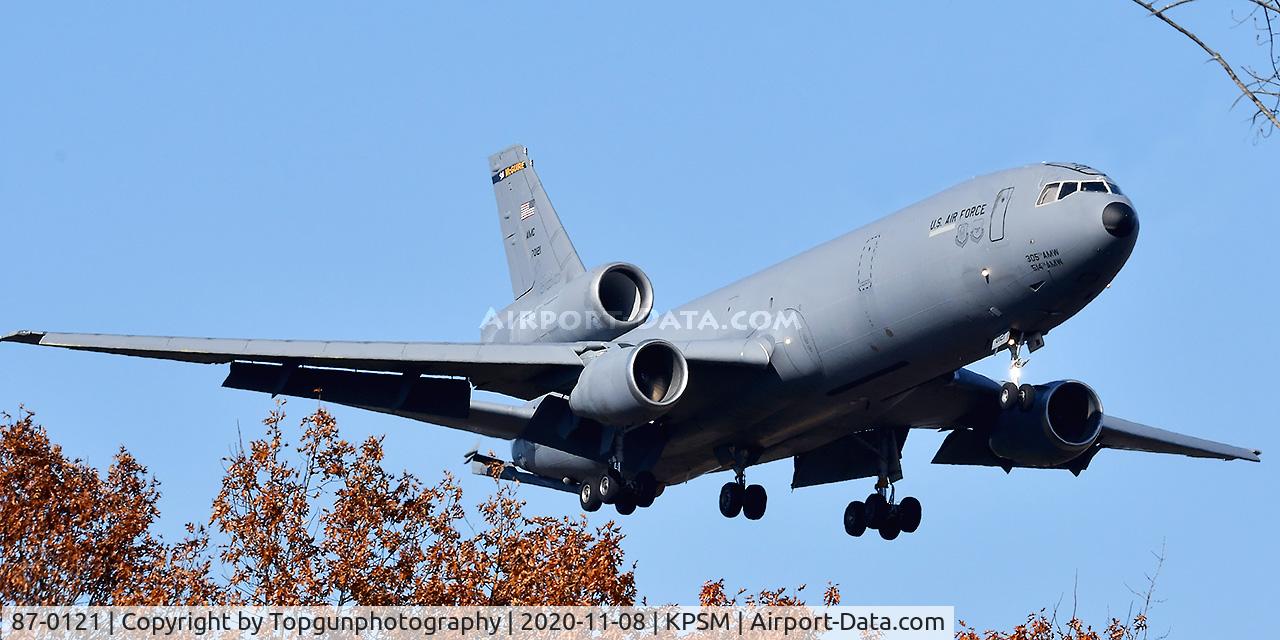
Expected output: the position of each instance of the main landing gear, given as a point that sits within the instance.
(625, 496)
(882, 513)
(881, 510)
(739, 497)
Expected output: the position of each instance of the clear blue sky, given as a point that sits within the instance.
(318, 171)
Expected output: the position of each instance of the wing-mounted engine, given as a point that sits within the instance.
(1058, 429)
(1064, 420)
(601, 304)
(628, 386)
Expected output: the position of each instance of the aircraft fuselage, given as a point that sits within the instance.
(915, 295)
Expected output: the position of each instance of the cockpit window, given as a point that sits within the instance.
(1055, 191)
(1049, 194)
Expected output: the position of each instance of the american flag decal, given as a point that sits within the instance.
(527, 210)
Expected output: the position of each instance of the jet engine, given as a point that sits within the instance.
(552, 463)
(631, 385)
(1062, 423)
(600, 304)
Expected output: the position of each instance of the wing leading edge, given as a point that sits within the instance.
(520, 370)
(524, 371)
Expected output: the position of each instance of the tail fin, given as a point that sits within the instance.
(539, 253)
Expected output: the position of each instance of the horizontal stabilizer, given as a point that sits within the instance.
(483, 465)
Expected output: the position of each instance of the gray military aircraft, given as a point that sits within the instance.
(830, 358)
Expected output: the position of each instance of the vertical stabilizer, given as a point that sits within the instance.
(539, 253)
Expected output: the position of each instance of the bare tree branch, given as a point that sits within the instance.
(1260, 86)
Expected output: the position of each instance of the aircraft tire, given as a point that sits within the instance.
(588, 497)
(1026, 397)
(909, 512)
(731, 499)
(754, 501)
(646, 490)
(876, 509)
(890, 529)
(625, 504)
(1008, 395)
(855, 519)
(609, 485)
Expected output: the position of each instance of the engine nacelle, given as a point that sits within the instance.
(600, 304)
(631, 385)
(553, 463)
(1064, 421)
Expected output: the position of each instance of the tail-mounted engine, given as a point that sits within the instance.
(600, 304)
(628, 386)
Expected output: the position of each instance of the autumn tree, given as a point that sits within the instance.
(69, 535)
(321, 521)
(316, 522)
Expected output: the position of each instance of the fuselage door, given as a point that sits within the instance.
(998, 212)
(867, 262)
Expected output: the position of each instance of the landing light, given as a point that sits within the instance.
(1015, 373)
(986, 274)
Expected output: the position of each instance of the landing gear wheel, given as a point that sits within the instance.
(1008, 395)
(754, 500)
(731, 499)
(625, 504)
(876, 511)
(890, 528)
(588, 496)
(646, 489)
(855, 519)
(1026, 397)
(609, 485)
(909, 515)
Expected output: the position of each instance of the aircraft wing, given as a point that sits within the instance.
(522, 370)
(967, 398)
(1118, 433)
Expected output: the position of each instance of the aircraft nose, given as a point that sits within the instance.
(1119, 219)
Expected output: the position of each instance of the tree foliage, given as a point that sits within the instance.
(321, 521)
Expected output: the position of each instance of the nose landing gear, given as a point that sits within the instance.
(1013, 394)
